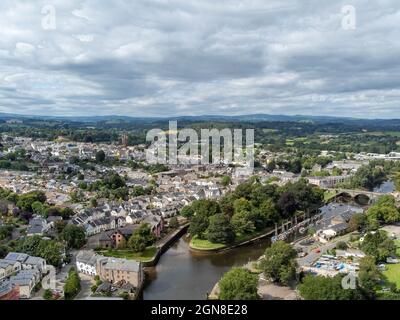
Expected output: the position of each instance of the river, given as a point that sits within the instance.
(386, 187)
(184, 275)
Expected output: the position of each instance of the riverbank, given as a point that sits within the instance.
(163, 245)
(150, 256)
(200, 245)
(184, 274)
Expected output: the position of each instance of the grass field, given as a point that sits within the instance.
(329, 194)
(200, 244)
(270, 130)
(397, 243)
(392, 273)
(146, 255)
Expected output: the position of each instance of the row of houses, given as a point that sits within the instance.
(20, 274)
(111, 270)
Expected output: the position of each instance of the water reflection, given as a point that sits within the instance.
(184, 275)
(386, 187)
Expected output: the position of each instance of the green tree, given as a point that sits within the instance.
(50, 250)
(38, 208)
(369, 276)
(378, 245)
(243, 218)
(48, 295)
(383, 211)
(141, 238)
(100, 156)
(72, 285)
(198, 225)
(26, 200)
(173, 223)
(357, 222)
(220, 229)
(136, 243)
(226, 181)
(326, 288)
(74, 236)
(238, 284)
(279, 263)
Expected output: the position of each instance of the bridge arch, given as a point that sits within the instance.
(344, 196)
(362, 199)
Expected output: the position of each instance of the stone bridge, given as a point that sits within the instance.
(361, 195)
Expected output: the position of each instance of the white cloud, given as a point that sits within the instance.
(156, 57)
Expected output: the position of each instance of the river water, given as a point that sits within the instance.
(385, 187)
(184, 275)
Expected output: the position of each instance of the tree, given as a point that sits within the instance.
(279, 263)
(226, 181)
(49, 250)
(26, 200)
(93, 203)
(38, 208)
(74, 236)
(384, 210)
(238, 284)
(4, 207)
(72, 285)
(136, 243)
(141, 238)
(48, 295)
(198, 225)
(243, 223)
(60, 225)
(378, 245)
(326, 288)
(341, 245)
(287, 204)
(173, 223)
(243, 217)
(220, 229)
(100, 156)
(268, 212)
(6, 231)
(369, 276)
(357, 222)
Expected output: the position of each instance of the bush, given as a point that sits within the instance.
(341, 245)
(48, 295)
(238, 284)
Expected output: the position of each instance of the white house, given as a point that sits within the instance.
(86, 262)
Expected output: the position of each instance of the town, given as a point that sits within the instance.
(102, 218)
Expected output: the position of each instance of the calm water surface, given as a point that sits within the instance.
(385, 187)
(184, 275)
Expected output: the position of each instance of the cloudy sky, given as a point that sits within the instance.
(195, 57)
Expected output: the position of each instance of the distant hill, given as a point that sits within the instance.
(209, 118)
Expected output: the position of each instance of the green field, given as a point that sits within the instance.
(329, 194)
(200, 244)
(144, 256)
(397, 243)
(392, 273)
(270, 130)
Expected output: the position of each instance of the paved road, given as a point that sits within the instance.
(86, 284)
(312, 256)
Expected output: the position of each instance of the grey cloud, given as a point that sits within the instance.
(187, 57)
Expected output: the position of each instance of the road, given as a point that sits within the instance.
(313, 256)
(86, 285)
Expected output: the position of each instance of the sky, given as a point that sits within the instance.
(200, 57)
